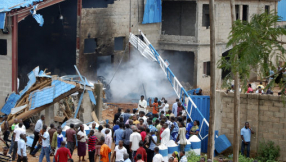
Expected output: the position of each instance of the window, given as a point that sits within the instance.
(3, 47)
(207, 68)
(245, 13)
(206, 15)
(119, 43)
(237, 12)
(90, 45)
(267, 9)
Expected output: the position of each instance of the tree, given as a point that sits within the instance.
(254, 46)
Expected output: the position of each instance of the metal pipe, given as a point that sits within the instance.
(14, 52)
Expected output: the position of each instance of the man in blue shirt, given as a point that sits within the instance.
(118, 134)
(126, 137)
(246, 136)
(175, 107)
(126, 115)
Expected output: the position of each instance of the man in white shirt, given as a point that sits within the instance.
(22, 155)
(108, 140)
(142, 116)
(107, 127)
(45, 145)
(142, 105)
(17, 132)
(175, 107)
(166, 107)
(38, 128)
(135, 138)
(157, 157)
(165, 134)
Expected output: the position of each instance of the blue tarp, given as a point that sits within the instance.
(32, 80)
(10, 103)
(282, 9)
(91, 96)
(152, 12)
(41, 97)
(2, 20)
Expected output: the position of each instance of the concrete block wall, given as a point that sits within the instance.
(6, 69)
(265, 113)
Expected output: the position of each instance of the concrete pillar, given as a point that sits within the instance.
(86, 108)
(49, 115)
(99, 103)
(195, 74)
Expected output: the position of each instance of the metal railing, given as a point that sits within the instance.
(148, 51)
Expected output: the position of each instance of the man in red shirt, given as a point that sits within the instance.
(62, 153)
(141, 151)
(70, 134)
(155, 106)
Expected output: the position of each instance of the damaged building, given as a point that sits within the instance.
(82, 32)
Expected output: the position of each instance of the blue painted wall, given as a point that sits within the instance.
(282, 9)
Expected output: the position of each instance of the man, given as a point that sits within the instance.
(166, 107)
(38, 128)
(179, 109)
(158, 127)
(116, 116)
(142, 104)
(135, 138)
(135, 121)
(126, 157)
(51, 133)
(153, 143)
(62, 153)
(259, 90)
(57, 140)
(70, 135)
(4, 156)
(93, 127)
(183, 157)
(126, 115)
(12, 141)
(155, 106)
(175, 107)
(17, 132)
(141, 151)
(104, 129)
(45, 145)
(260, 85)
(245, 133)
(118, 134)
(174, 129)
(202, 159)
(126, 138)
(91, 145)
(22, 155)
(165, 134)
(39, 146)
(6, 131)
(108, 140)
(99, 134)
(151, 126)
(104, 151)
(20, 121)
(142, 116)
(158, 157)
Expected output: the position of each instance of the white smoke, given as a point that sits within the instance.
(130, 77)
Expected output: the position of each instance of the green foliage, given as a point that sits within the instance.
(192, 157)
(268, 152)
(242, 158)
(256, 43)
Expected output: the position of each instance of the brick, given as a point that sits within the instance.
(282, 131)
(263, 108)
(275, 109)
(279, 114)
(278, 125)
(268, 114)
(278, 136)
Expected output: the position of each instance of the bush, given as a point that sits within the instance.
(192, 157)
(268, 152)
(242, 158)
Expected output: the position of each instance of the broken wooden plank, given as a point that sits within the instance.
(94, 117)
(59, 118)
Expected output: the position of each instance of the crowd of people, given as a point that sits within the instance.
(136, 136)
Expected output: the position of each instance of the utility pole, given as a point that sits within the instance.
(211, 135)
(236, 111)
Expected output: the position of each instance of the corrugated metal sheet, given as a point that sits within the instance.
(282, 9)
(8, 5)
(152, 12)
(39, 18)
(91, 96)
(61, 87)
(10, 103)
(32, 80)
(41, 97)
(203, 110)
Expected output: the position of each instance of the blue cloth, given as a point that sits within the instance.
(37, 149)
(152, 127)
(152, 12)
(46, 141)
(45, 152)
(175, 131)
(2, 20)
(127, 160)
(126, 116)
(175, 109)
(60, 138)
(126, 136)
(118, 135)
(115, 128)
(188, 128)
(152, 144)
(246, 133)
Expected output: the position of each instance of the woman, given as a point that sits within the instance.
(81, 137)
(182, 136)
(195, 128)
(174, 129)
(91, 145)
(141, 124)
(176, 157)
(188, 127)
(249, 89)
(119, 151)
(142, 133)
